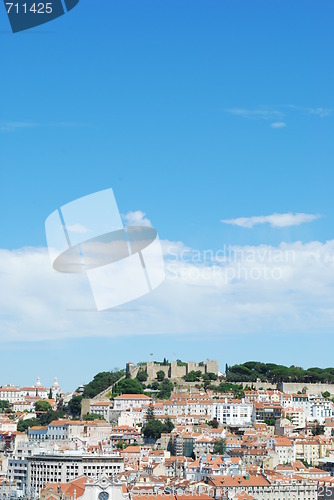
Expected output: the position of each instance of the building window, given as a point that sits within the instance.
(103, 496)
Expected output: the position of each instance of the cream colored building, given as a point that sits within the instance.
(309, 450)
(296, 417)
(129, 401)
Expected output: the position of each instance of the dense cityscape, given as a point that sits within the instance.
(166, 250)
(178, 429)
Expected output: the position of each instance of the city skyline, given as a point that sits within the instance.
(212, 123)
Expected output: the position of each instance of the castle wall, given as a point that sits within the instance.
(292, 387)
(174, 371)
(317, 389)
(152, 369)
(196, 367)
(212, 366)
(177, 371)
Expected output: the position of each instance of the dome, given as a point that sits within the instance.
(55, 383)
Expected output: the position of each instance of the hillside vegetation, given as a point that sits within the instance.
(251, 371)
(100, 382)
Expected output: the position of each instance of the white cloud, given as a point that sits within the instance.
(77, 229)
(278, 113)
(275, 220)
(262, 113)
(15, 126)
(136, 218)
(234, 290)
(321, 112)
(278, 125)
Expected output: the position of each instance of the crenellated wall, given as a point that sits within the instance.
(173, 370)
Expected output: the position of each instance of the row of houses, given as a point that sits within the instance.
(228, 410)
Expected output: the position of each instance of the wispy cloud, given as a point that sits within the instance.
(278, 125)
(275, 220)
(316, 111)
(279, 114)
(14, 126)
(322, 112)
(262, 113)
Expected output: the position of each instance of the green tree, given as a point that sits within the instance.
(101, 382)
(141, 376)
(74, 406)
(42, 405)
(193, 376)
(153, 429)
(219, 447)
(270, 421)
(49, 416)
(270, 372)
(4, 405)
(214, 423)
(129, 386)
(24, 425)
(318, 429)
(120, 445)
(326, 394)
(150, 413)
(165, 389)
(168, 426)
(207, 384)
(92, 416)
(179, 362)
(160, 375)
(209, 376)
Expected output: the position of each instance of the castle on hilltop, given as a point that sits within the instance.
(173, 370)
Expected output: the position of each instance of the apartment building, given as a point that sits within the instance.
(62, 467)
(202, 446)
(130, 401)
(267, 411)
(101, 408)
(263, 487)
(320, 410)
(233, 412)
(296, 417)
(11, 394)
(308, 450)
(284, 448)
(58, 430)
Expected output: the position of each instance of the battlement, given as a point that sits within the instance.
(174, 370)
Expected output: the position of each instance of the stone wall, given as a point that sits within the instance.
(177, 371)
(258, 385)
(292, 387)
(85, 407)
(310, 388)
(173, 370)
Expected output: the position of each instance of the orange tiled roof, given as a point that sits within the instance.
(133, 396)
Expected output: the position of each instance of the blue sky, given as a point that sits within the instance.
(193, 112)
